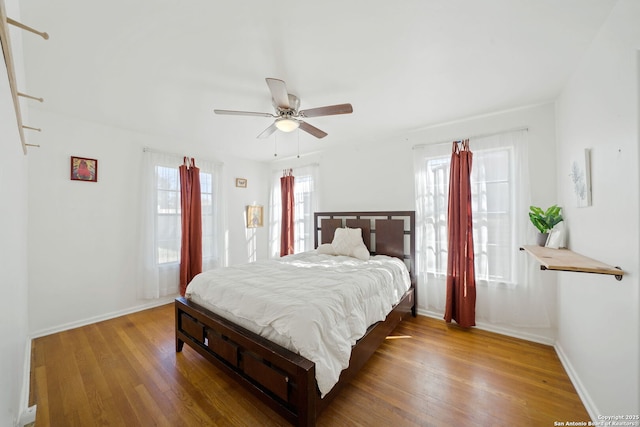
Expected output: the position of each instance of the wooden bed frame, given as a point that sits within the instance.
(281, 378)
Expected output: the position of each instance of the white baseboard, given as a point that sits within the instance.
(527, 336)
(76, 324)
(588, 403)
(510, 332)
(26, 383)
(28, 416)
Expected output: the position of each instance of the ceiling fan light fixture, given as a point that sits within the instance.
(287, 125)
(287, 115)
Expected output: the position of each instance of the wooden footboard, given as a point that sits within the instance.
(281, 378)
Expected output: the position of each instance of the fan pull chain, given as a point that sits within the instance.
(275, 144)
(298, 142)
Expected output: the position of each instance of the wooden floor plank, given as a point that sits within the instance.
(125, 371)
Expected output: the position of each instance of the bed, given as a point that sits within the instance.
(282, 378)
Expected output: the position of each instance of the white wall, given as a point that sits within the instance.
(599, 332)
(14, 340)
(83, 236)
(247, 244)
(378, 175)
(13, 259)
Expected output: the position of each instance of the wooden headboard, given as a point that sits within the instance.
(389, 233)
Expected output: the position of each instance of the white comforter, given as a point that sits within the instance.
(315, 305)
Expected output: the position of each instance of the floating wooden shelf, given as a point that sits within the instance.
(566, 260)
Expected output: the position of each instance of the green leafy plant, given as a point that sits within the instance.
(544, 221)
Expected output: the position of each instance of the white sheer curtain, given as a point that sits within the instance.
(214, 242)
(159, 266)
(509, 288)
(305, 199)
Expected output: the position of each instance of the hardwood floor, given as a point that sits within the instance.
(125, 372)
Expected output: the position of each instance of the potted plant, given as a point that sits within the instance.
(544, 221)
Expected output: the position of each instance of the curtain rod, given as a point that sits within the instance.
(483, 135)
(152, 150)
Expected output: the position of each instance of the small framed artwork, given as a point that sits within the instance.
(241, 182)
(254, 216)
(84, 169)
(581, 177)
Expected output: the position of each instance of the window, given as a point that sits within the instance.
(492, 205)
(208, 217)
(500, 202)
(161, 223)
(169, 229)
(305, 193)
(303, 213)
(509, 286)
(168, 215)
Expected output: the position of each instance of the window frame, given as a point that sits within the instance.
(438, 238)
(303, 211)
(176, 213)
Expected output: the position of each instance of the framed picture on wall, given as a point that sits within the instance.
(84, 169)
(241, 182)
(581, 177)
(254, 216)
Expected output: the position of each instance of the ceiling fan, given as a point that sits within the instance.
(288, 116)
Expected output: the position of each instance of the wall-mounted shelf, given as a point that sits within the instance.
(566, 260)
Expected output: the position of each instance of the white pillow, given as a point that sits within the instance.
(327, 249)
(361, 252)
(348, 241)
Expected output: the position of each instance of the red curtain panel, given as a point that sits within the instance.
(461, 281)
(286, 233)
(191, 205)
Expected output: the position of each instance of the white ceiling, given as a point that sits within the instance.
(161, 67)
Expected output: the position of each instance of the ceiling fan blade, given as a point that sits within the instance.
(268, 131)
(312, 130)
(243, 113)
(329, 110)
(278, 92)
